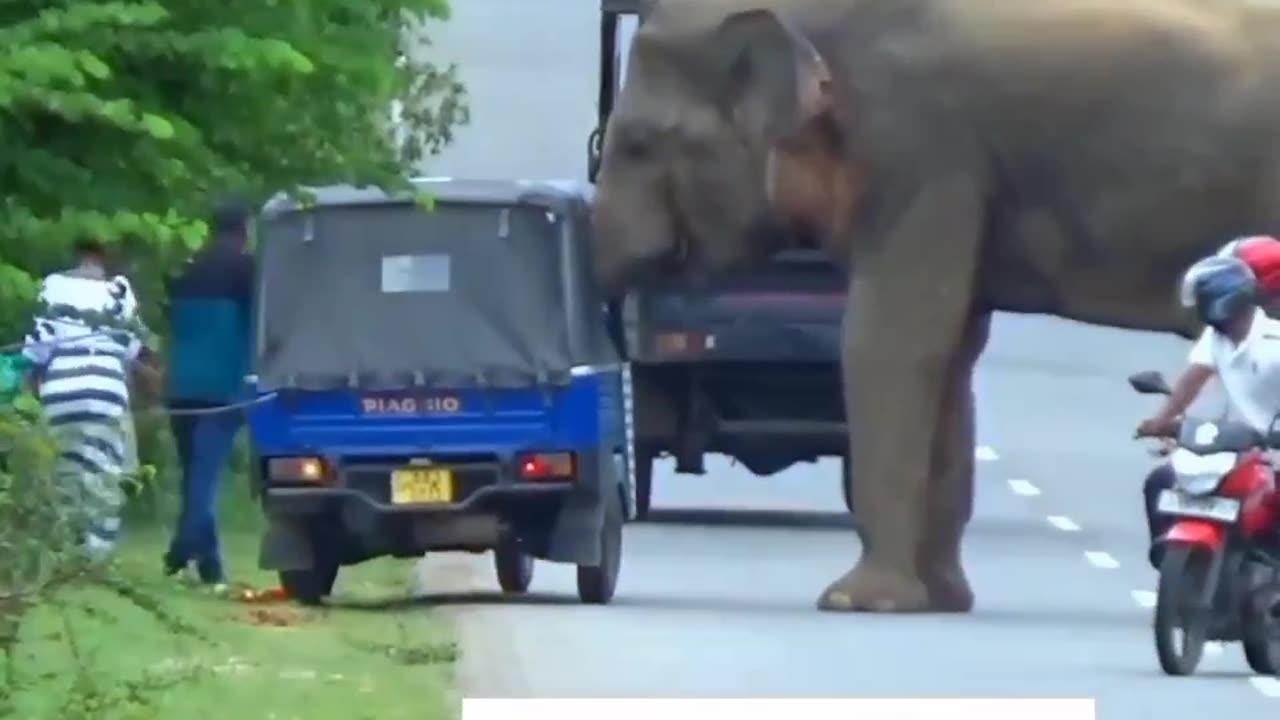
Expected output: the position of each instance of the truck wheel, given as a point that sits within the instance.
(644, 481)
(514, 567)
(846, 483)
(596, 585)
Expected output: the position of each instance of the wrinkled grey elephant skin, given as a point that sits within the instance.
(1068, 157)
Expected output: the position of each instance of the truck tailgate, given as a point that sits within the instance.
(789, 310)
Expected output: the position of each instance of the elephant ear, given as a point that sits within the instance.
(766, 75)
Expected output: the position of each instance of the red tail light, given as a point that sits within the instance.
(547, 466)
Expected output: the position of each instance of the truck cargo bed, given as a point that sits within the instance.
(789, 310)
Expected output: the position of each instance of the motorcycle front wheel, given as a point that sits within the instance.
(1181, 627)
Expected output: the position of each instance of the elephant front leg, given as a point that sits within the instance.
(906, 321)
(949, 497)
(887, 407)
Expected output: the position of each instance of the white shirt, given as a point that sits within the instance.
(1249, 372)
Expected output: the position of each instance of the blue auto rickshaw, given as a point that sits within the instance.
(437, 379)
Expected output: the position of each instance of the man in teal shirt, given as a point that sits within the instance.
(210, 318)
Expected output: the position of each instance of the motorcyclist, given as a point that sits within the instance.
(1240, 346)
(1262, 254)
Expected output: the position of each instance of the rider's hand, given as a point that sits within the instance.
(1154, 427)
(1165, 448)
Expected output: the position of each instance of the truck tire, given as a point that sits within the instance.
(846, 483)
(644, 481)
(597, 584)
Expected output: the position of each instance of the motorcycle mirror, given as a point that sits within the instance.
(1149, 382)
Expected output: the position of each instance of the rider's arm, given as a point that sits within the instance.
(1188, 385)
(1185, 390)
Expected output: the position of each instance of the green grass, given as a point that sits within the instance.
(154, 647)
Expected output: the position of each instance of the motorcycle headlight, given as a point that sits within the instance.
(1200, 474)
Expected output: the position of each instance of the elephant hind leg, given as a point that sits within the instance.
(949, 499)
(908, 310)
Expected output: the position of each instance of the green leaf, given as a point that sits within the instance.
(124, 118)
(157, 127)
(27, 404)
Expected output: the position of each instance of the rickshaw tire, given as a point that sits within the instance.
(311, 586)
(514, 567)
(597, 584)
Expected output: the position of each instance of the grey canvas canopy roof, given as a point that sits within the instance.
(492, 287)
(553, 194)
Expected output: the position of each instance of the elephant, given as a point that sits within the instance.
(957, 158)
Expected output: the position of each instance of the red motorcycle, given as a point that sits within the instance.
(1220, 566)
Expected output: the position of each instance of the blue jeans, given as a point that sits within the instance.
(204, 444)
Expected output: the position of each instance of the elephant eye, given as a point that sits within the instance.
(636, 142)
(636, 150)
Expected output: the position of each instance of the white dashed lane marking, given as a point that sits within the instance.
(1063, 523)
(1268, 686)
(1023, 488)
(1101, 559)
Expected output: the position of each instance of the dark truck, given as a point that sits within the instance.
(748, 366)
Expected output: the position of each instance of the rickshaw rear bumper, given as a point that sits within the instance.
(556, 521)
(351, 505)
(357, 513)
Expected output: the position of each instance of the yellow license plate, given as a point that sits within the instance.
(421, 485)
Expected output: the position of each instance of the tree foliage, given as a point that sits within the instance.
(127, 120)
(123, 119)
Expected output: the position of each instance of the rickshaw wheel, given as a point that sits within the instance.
(596, 585)
(513, 565)
(311, 586)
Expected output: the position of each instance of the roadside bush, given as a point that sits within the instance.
(35, 537)
(42, 564)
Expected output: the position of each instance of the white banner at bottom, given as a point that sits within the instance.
(772, 709)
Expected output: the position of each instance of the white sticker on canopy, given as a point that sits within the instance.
(415, 273)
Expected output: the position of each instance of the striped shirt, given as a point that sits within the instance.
(84, 375)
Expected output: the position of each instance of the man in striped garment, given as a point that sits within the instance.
(81, 344)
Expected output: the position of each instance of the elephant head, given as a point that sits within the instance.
(720, 113)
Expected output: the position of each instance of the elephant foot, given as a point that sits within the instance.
(949, 589)
(868, 588)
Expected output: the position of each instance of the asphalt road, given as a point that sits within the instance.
(720, 603)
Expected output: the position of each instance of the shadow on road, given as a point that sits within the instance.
(749, 518)
(1003, 618)
(471, 597)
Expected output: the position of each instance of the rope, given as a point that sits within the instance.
(156, 409)
(211, 410)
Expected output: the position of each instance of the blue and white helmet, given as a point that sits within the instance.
(1218, 288)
